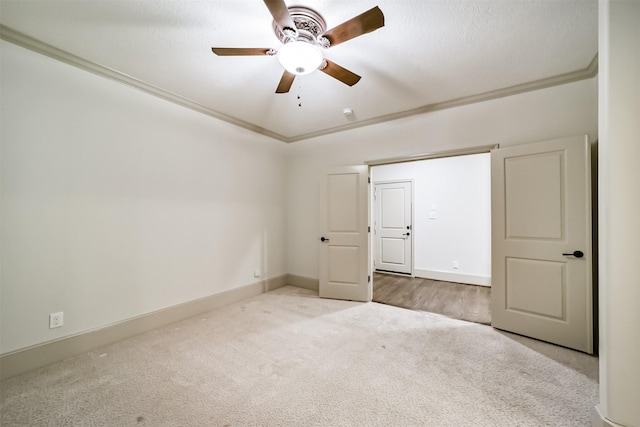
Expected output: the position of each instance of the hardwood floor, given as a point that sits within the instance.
(457, 300)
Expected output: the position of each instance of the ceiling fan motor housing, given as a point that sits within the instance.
(310, 26)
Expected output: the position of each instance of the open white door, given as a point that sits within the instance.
(344, 249)
(392, 234)
(541, 242)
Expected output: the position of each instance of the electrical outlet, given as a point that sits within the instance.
(456, 265)
(56, 320)
(257, 272)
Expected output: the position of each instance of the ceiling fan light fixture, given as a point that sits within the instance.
(300, 57)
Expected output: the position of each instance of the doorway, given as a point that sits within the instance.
(450, 230)
(449, 220)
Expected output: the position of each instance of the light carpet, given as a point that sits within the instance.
(289, 358)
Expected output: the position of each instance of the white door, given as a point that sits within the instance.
(392, 230)
(344, 238)
(541, 242)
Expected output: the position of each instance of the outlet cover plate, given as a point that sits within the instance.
(56, 320)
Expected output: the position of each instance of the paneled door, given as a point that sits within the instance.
(541, 242)
(344, 237)
(392, 229)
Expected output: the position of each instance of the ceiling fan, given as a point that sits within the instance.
(304, 34)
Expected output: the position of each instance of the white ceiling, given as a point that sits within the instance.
(428, 53)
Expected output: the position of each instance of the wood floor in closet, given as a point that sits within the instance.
(456, 300)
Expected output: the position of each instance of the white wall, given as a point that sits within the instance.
(550, 113)
(459, 188)
(116, 203)
(619, 211)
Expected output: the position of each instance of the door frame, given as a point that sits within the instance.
(488, 149)
(484, 149)
(372, 210)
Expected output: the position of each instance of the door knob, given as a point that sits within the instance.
(324, 239)
(577, 254)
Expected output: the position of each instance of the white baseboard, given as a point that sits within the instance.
(453, 277)
(598, 420)
(303, 282)
(275, 283)
(26, 359)
(314, 284)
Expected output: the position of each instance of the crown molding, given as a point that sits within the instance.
(35, 45)
(589, 72)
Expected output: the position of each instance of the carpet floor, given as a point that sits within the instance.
(290, 358)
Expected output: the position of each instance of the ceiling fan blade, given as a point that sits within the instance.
(362, 24)
(339, 73)
(239, 51)
(280, 13)
(285, 82)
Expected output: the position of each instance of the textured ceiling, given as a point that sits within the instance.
(429, 52)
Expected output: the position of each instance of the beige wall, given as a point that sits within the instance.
(116, 203)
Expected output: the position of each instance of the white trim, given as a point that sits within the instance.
(302, 282)
(597, 420)
(28, 42)
(453, 277)
(573, 76)
(437, 155)
(26, 359)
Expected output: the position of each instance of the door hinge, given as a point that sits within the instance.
(368, 279)
(369, 179)
(369, 229)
